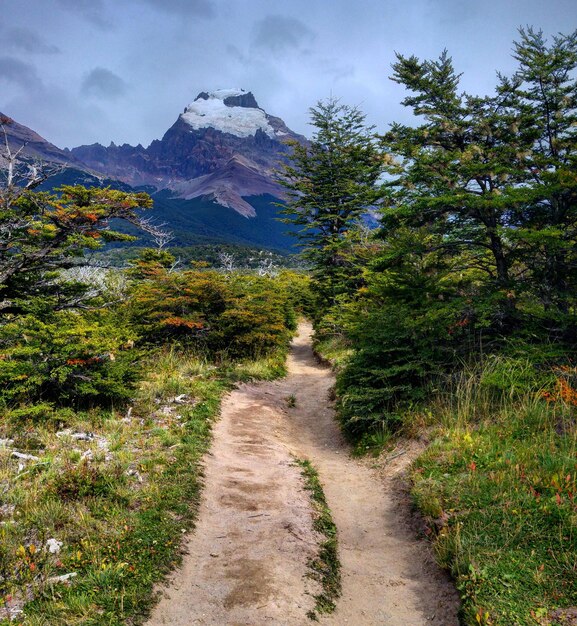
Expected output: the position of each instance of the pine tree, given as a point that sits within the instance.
(495, 175)
(456, 169)
(331, 183)
(542, 95)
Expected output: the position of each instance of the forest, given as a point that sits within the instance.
(453, 322)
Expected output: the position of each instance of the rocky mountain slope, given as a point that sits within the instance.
(223, 147)
(33, 145)
(211, 175)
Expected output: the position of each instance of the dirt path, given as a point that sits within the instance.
(247, 559)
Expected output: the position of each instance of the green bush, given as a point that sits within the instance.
(239, 316)
(257, 319)
(183, 306)
(399, 352)
(70, 359)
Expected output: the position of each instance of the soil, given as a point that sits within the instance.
(246, 562)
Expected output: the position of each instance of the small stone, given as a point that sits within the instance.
(84, 436)
(62, 579)
(25, 457)
(53, 545)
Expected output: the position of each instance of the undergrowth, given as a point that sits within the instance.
(106, 495)
(499, 490)
(325, 567)
(335, 349)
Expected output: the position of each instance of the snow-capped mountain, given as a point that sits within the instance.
(213, 170)
(232, 111)
(223, 146)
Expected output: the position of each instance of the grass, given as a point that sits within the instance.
(498, 486)
(499, 489)
(325, 567)
(334, 349)
(117, 500)
(291, 401)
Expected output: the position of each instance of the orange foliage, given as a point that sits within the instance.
(76, 362)
(179, 321)
(564, 390)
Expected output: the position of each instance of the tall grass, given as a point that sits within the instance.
(499, 488)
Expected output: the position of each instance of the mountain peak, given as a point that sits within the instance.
(233, 111)
(234, 97)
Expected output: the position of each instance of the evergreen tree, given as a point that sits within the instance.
(458, 172)
(331, 183)
(542, 95)
(42, 233)
(494, 176)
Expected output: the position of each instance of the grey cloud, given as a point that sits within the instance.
(278, 34)
(236, 54)
(198, 8)
(92, 10)
(27, 41)
(102, 83)
(335, 69)
(18, 72)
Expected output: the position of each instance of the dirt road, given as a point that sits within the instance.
(246, 562)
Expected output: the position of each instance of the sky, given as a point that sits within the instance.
(85, 71)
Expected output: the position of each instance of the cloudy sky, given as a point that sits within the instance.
(85, 71)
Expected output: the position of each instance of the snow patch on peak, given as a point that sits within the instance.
(210, 111)
(223, 94)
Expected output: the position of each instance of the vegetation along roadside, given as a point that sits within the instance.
(97, 496)
(108, 388)
(325, 567)
(454, 320)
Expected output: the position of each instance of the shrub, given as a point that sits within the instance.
(177, 305)
(256, 320)
(70, 359)
(81, 480)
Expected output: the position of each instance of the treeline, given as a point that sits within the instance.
(476, 249)
(455, 319)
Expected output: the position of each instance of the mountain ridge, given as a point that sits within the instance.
(202, 177)
(222, 146)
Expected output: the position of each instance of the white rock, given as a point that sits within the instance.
(62, 579)
(25, 457)
(135, 473)
(83, 436)
(53, 545)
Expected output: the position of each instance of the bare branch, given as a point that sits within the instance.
(227, 262)
(159, 234)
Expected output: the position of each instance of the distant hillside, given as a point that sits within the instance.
(212, 175)
(199, 220)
